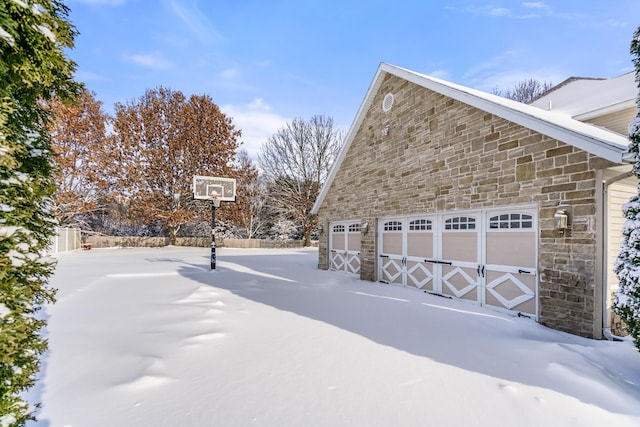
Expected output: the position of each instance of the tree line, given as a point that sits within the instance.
(131, 173)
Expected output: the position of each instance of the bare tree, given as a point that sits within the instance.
(525, 91)
(296, 162)
(248, 210)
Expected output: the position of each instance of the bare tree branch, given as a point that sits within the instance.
(296, 161)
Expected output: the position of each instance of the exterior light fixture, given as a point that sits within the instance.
(364, 228)
(561, 219)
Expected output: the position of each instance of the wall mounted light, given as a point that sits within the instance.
(320, 229)
(364, 227)
(561, 219)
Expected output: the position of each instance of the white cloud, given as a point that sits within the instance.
(258, 104)
(503, 12)
(440, 74)
(536, 5)
(229, 73)
(499, 11)
(613, 23)
(257, 123)
(264, 63)
(197, 22)
(505, 70)
(149, 60)
(488, 68)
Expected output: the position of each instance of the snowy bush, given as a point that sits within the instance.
(283, 229)
(626, 302)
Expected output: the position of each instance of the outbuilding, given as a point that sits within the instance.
(465, 194)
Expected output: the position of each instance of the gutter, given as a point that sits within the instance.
(628, 157)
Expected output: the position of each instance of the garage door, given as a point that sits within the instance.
(344, 246)
(486, 257)
(509, 270)
(406, 248)
(459, 256)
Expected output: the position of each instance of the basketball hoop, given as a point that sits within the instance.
(215, 199)
(215, 190)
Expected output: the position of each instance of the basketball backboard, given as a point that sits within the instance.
(205, 186)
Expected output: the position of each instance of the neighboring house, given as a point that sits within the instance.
(461, 193)
(609, 103)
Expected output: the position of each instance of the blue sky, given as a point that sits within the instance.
(267, 62)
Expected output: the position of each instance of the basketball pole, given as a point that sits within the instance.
(213, 234)
(215, 202)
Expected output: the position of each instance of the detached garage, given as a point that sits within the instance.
(465, 194)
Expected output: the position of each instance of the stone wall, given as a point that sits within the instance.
(438, 154)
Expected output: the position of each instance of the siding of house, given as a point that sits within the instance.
(617, 122)
(442, 155)
(619, 193)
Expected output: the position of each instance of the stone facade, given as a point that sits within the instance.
(431, 153)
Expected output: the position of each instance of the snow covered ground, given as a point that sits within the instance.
(151, 337)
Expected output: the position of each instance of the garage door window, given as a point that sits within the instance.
(338, 228)
(354, 228)
(420, 225)
(460, 223)
(393, 226)
(511, 221)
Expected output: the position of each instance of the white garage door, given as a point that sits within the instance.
(509, 270)
(344, 246)
(407, 244)
(487, 257)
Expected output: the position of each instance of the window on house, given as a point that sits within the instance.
(338, 228)
(354, 228)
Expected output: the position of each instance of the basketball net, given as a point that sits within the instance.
(215, 199)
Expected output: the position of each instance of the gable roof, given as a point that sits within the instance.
(584, 98)
(598, 141)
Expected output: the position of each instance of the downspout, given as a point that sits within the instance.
(606, 317)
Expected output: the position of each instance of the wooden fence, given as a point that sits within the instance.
(135, 242)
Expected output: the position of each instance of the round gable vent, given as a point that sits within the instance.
(387, 102)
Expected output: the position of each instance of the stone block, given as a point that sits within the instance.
(564, 149)
(525, 172)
